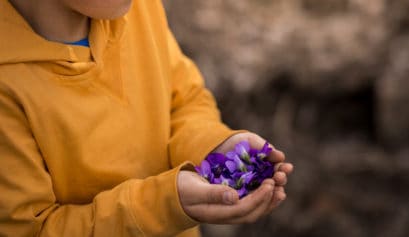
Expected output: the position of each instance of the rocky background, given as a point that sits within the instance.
(327, 81)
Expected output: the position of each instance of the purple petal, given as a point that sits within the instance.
(267, 172)
(217, 180)
(224, 181)
(239, 163)
(253, 152)
(247, 177)
(198, 169)
(230, 155)
(205, 168)
(231, 166)
(242, 147)
(237, 175)
(242, 192)
(250, 168)
(265, 151)
(216, 159)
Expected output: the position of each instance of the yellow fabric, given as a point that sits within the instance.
(92, 139)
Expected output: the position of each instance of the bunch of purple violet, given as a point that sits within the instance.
(243, 168)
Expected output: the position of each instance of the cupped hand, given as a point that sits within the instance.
(220, 204)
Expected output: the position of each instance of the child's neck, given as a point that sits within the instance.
(52, 20)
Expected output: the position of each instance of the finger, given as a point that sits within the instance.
(225, 214)
(260, 211)
(198, 191)
(278, 197)
(219, 194)
(276, 156)
(278, 189)
(254, 213)
(280, 178)
(287, 168)
(256, 141)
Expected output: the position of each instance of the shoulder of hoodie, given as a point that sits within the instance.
(9, 72)
(14, 77)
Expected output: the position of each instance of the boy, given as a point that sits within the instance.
(99, 121)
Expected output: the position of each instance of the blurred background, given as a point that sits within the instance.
(326, 81)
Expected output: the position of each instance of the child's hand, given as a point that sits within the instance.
(220, 204)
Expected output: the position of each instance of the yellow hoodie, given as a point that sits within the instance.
(92, 139)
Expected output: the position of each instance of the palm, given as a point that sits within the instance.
(254, 140)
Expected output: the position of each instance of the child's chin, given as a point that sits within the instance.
(111, 12)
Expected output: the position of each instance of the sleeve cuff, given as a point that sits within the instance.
(156, 205)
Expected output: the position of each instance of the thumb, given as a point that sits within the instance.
(220, 194)
(194, 190)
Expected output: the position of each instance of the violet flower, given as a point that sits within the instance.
(205, 171)
(224, 181)
(235, 161)
(243, 168)
(264, 152)
(217, 163)
(242, 149)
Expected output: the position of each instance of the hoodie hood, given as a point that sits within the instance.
(20, 44)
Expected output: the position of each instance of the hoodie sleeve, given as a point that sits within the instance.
(196, 127)
(28, 206)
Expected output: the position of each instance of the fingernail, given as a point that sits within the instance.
(228, 197)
